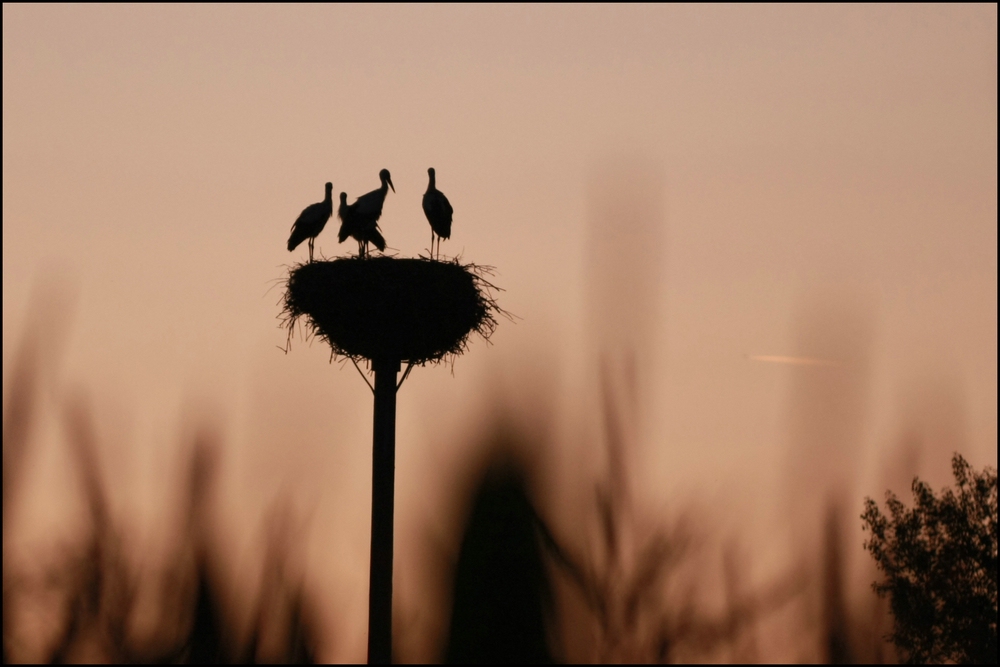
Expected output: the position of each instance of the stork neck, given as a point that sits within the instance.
(433, 182)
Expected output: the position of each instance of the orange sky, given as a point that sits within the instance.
(798, 181)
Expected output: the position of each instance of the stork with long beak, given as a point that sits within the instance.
(438, 210)
(368, 207)
(364, 213)
(311, 222)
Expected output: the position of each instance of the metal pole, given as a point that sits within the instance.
(383, 474)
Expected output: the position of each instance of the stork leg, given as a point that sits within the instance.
(310, 251)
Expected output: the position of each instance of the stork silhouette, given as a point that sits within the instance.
(368, 207)
(311, 222)
(438, 210)
(363, 215)
(363, 230)
(348, 227)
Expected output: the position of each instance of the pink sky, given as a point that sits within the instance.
(727, 182)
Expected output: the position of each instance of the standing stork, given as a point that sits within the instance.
(438, 210)
(311, 222)
(363, 230)
(367, 209)
(348, 227)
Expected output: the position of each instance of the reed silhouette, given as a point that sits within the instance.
(94, 582)
(826, 420)
(643, 608)
(502, 598)
(528, 585)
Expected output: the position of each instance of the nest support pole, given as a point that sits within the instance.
(383, 473)
(385, 310)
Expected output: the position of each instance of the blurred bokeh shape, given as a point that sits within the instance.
(827, 413)
(502, 596)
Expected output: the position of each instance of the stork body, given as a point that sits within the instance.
(361, 228)
(348, 227)
(438, 210)
(367, 209)
(311, 222)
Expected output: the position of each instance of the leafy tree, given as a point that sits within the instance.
(940, 565)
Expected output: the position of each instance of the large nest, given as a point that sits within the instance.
(413, 310)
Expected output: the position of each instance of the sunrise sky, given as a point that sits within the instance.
(748, 197)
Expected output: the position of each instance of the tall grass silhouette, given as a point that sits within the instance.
(526, 585)
(93, 582)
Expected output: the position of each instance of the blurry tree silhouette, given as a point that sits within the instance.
(502, 596)
(940, 565)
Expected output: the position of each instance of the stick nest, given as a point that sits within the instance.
(413, 310)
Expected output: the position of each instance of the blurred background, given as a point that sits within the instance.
(751, 251)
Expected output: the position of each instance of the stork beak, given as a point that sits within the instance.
(389, 181)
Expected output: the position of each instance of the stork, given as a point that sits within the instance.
(367, 208)
(311, 222)
(438, 210)
(348, 226)
(361, 229)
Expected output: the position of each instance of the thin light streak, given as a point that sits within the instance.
(797, 361)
